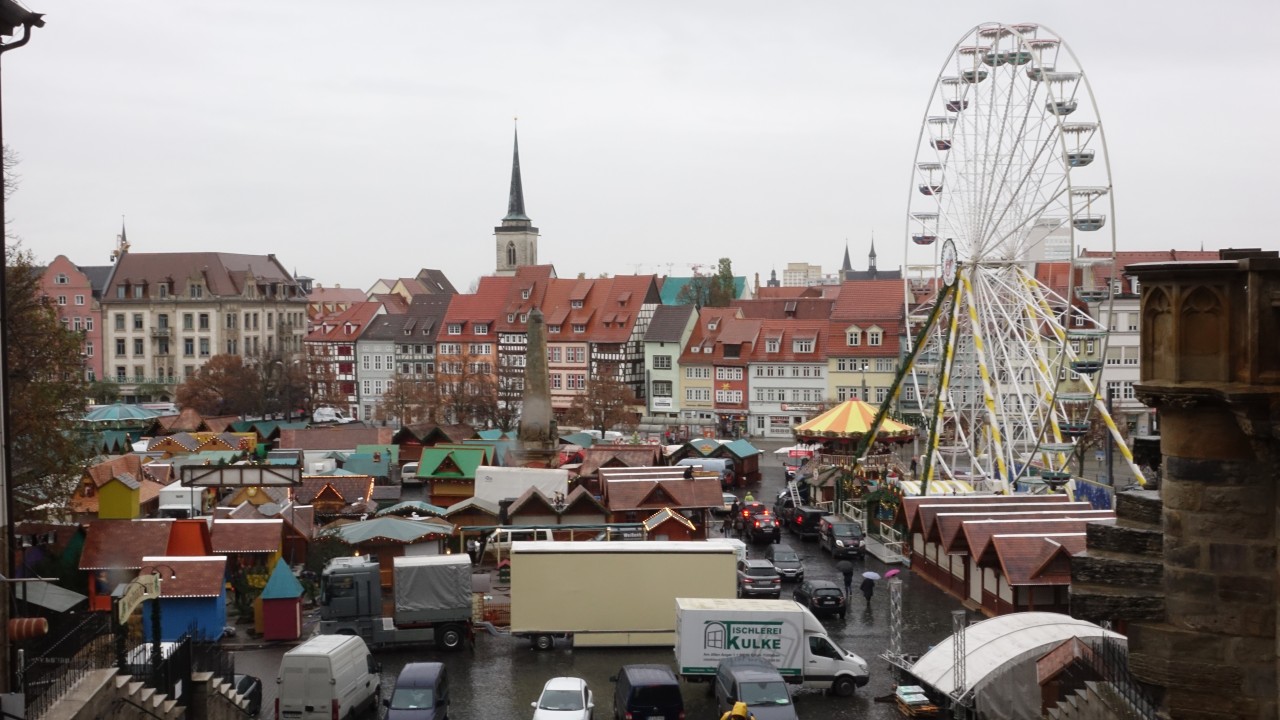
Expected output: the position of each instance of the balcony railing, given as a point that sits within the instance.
(141, 380)
(164, 332)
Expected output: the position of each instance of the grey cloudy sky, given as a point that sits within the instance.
(365, 139)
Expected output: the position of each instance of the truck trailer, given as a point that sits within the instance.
(601, 594)
(783, 632)
(431, 600)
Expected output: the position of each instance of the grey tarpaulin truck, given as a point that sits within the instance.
(431, 600)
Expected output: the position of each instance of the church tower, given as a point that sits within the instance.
(516, 239)
(871, 257)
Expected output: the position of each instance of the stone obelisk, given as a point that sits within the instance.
(537, 427)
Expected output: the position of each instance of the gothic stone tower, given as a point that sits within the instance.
(516, 239)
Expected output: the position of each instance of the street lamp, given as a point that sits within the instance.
(11, 16)
(155, 617)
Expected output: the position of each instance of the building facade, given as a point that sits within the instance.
(76, 298)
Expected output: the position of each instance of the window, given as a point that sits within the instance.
(137, 321)
(881, 394)
(577, 381)
(364, 387)
(188, 347)
(482, 328)
(555, 381)
(576, 355)
(231, 321)
(802, 345)
(662, 388)
(454, 329)
(728, 373)
(661, 362)
(697, 394)
(377, 387)
(88, 349)
(1088, 347)
(204, 347)
(196, 291)
(120, 321)
(553, 329)
(553, 354)
(364, 362)
(137, 347)
(163, 290)
(88, 324)
(138, 291)
(80, 300)
(480, 349)
(853, 337)
(119, 347)
(575, 304)
(524, 294)
(162, 321)
(450, 349)
(886, 365)
(75, 324)
(875, 337)
(188, 321)
(377, 362)
(60, 279)
(698, 373)
(204, 321)
(120, 292)
(120, 373)
(729, 397)
(579, 328)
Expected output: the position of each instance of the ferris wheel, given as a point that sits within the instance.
(1010, 182)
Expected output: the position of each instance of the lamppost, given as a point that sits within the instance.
(156, 647)
(12, 15)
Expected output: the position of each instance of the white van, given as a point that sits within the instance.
(328, 676)
(330, 415)
(409, 474)
(499, 541)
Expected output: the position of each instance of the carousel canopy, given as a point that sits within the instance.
(851, 419)
(119, 412)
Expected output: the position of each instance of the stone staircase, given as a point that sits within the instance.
(135, 700)
(1121, 575)
(1095, 701)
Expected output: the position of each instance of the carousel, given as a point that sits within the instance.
(860, 452)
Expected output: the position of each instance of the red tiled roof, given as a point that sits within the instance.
(121, 544)
(784, 308)
(949, 523)
(911, 505)
(617, 455)
(334, 438)
(196, 577)
(830, 292)
(1037, 559)
(626, 495)
(224, 274)
(786, 332)
(484, 306)
(861, 301)
(247, 536)
(347, 325)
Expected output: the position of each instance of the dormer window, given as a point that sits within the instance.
(61, 279)
(771, 345)
(455, 329)
(696, 348)
(802, 345)
(482, 328)
(511, 317)
(553, 329)
(139, 291)
(713, 325)
(575, 303)
(579, 327)
(524, 317)
(853, 336)
(875, 336)
(196, 291)
(163, 290)
(524, 294)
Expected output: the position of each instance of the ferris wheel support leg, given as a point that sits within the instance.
(988, 394)
(1047, 393)
(944, 384)
(1120, 444)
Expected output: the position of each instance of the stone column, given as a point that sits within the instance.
(1211, 364)
(536, 433)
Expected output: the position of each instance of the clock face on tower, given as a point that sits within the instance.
(949, 262)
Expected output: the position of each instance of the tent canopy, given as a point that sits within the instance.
(851, 419)
(119, 412)
(995, 643)
(389, 529)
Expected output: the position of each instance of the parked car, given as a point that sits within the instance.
(822, 597)
(250, 688)
(328, 676)
(421, 693)
(564, 698)
(763, 529)
(757, 578)
(804, 522)
(749, 509)
(647, 691)
(727, 500)
(756, 682)
(841, 537)
(784, 507)
(785, 561)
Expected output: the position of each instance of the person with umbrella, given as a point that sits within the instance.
(846, 568)
(868, 586)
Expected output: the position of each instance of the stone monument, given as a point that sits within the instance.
(537, 434)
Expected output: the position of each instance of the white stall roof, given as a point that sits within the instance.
(991, 644)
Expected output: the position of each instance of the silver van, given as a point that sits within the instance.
(328, 676)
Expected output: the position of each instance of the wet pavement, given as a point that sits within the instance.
(502, 675)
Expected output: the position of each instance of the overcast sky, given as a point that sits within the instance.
(358, 140)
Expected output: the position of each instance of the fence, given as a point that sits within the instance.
(208, 656)
(54, 666)
(1112, 661)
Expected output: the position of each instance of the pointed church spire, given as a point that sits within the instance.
(515, 199)
(871, 256)
(847, 265)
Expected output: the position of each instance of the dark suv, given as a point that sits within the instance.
(805, 521)
(763, 529)
(840, 537)
(647, 691)
(757, 578)
(756, 682)
(821, 596)
(785, 561)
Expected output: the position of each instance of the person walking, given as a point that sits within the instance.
(749, 497)
(913, 467)
(848, 581)
(725, 525)
(739, 712)
(868, 588)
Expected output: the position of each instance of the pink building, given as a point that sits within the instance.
(75, 292)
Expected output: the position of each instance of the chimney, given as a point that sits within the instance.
(504, 507)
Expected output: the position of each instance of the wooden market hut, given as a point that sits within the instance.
(281, 605)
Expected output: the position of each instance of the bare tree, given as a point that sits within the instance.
(408, 399)
(606, 404)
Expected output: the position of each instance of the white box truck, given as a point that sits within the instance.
(781, 631)
(611, 593)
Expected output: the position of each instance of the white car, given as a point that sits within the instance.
(564, 698)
